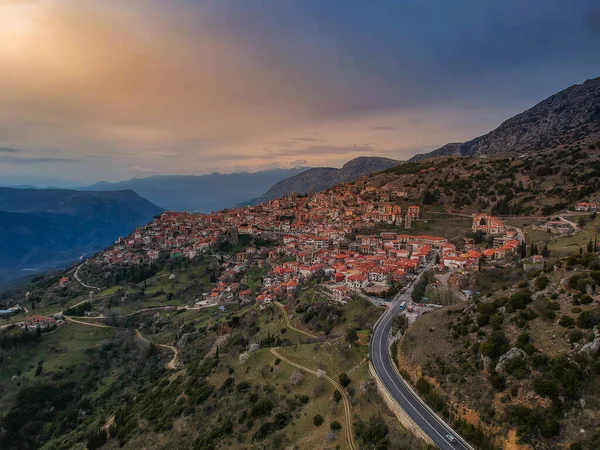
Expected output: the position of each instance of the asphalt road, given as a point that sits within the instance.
(379, 355)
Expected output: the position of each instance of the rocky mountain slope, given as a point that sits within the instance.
(321, 178)
(45, 228)
(562, 118)
(201, 193)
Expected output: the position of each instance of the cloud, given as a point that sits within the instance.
(323, 150)
(9, 150)
(195, 85)
(307, 139)
(143, 169)
(383, 128)
(35, 160)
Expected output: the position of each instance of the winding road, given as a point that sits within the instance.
(172, 364)
(76, 275)
(379, 355)
(347, 410)
(289, 324)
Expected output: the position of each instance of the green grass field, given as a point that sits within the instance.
(443, 225)
(62, 348)
(565, 246)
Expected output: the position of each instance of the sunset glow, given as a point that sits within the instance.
(104, 90)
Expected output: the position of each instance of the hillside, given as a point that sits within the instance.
(539, 184)
(108, 382)
(40, 228)
(522, 360)
(563, 118)
(321, 178)
(203, 193)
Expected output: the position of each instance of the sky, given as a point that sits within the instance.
(110, 90)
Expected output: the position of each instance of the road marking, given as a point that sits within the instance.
(386, 318)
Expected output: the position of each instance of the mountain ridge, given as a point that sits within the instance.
(321, 178)
(44, 228)
(200, 193)
(552, 122)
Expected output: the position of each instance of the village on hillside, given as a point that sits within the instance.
(350, 244)
(353, 239)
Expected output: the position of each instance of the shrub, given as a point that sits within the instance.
(588, 319)
(541, 282)
(498, 381)
(549, 428)
(517, 368)
(495, 346)
(566, 321)
(544, 386)
(337, 396)
(575, 336)
(335, 425)
(373, 434)
(519, 300)
(344, 379)
(243, 386)
(262, 408)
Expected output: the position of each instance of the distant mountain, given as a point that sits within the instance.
(202, 193)
(562, 118)
(44, 228)
(321, 178)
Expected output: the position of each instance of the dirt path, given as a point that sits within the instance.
(289, 324)
(81, 282)
(170, 365)
(70, 319)
(347, 411)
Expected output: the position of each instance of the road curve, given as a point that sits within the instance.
(347, 411)
(405, 396)
(172, 364)
(76, 275)
(289, 324)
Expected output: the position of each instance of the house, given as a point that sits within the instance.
(245, 294)
(414, 212)
(290, 286)
(64, 281)
(489, 253)
(356, 282)
(39, 322)
(587, 207)
(487, 224)
(341, 294)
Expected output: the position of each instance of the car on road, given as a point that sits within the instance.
(450, 438)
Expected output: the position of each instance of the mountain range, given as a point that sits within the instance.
(321, 178)
(560, 119)
(45, 228)
(201, 193)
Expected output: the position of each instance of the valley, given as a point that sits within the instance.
(451, 301)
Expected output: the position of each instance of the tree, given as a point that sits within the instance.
(318, 420)
(590, 246)
(533, 249)
(335, 425)
(581, 221)
(523, 249)
(297, 377)
(337, 396)
(546, 251)
(351, 335)
(344, 379)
